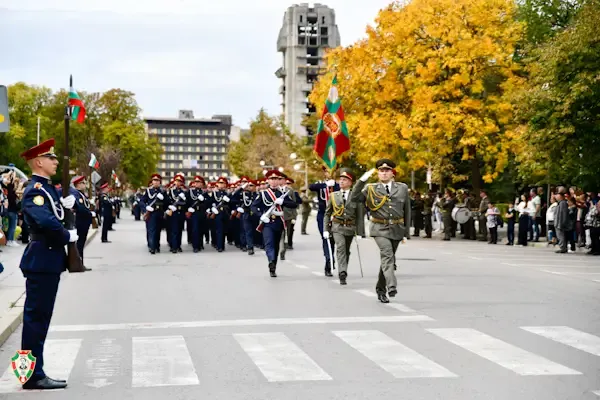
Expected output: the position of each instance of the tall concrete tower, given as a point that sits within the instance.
(305, 34)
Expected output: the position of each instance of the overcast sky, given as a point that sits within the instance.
(214, 57)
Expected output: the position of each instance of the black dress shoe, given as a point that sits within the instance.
(45, 384)
(179, 250)
(328, 272)
(106, 241)
(392, 292)
(152, 251)
(85, 269)
(272, 269)
(282, 256)
(57, 380)
(251, 252)
(343, 278)
(382, 298)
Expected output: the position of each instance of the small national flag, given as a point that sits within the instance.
(94, 162)
(332, 137)
(77, 106)
(116, 178)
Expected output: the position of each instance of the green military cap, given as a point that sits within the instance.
(385, 163)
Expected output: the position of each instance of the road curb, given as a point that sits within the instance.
(12, 318)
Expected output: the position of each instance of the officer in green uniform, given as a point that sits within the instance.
(389, 206)
(446, 204)
(344, 219)
(305, 209)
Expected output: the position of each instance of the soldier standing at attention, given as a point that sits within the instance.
(389, 206)
(344, 219)
(83, 215)
(446, 204)
(44, 258)
(324, 190)
(305, 210)
(427, 211)
(483, 207)
(107, 212)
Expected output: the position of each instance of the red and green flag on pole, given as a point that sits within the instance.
(77, 106)
(332, 138)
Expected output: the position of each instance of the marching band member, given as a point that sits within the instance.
(221, 210)
(289, 216)
(175, 213)
(83, 214)
(196, 213)
(154, 201)
(344, 219)
(269, 205)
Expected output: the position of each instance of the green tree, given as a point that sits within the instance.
(560, 106)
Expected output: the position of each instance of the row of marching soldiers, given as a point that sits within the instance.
(215, 212)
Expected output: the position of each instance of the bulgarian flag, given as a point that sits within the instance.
(94, 162)
(116, 178)
(77, 107)
(332, 133)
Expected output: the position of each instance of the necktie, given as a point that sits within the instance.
(387, 189)
(344, 196)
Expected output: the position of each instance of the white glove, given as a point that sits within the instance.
(73, 236)
(277, 213)
(191, 209)
(160, 196)
(226, 199)
(244, 185)
(201, 198)
(93, 214)
(172, 208)
(149, 208)
(135, 203)
(264, 219)
(182, 196)
(330, 183)
(325, 235)
(240, 210)
(367, 175)
(279, 200)
(68, 202)
(214, 210)
(403, 240)
(232, 212)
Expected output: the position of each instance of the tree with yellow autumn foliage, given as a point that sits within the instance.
(429, 84)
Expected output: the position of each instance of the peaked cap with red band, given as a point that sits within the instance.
(223, 180)
(44, 149)
(78, 179)
(346, 173)
(156, 176)
(274, 174)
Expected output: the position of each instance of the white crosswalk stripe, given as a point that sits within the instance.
(571, 337)
(59, 358)
(162, 361)
(392, 356)
(504, 354)
(279, 359)
(166, 360)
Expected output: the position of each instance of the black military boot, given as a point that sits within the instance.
(328, 268)
(251, 251)
(343, 276)
(272, 269)
(392, 292)
(382, 297)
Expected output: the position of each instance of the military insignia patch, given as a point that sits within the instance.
(80, 200)
(37, 185)
(23, 364)
(38, 200)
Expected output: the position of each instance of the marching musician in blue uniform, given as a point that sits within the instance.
(220, 209)
(196, 213)
(243, 200)
(44, 258)
(83, 214)
(176, 213)
(153, 202)
(269, 205)
(107, 212)
(324, 189)
(136, 207)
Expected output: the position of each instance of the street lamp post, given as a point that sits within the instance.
(294, 156)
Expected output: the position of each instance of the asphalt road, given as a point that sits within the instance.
(471, 321)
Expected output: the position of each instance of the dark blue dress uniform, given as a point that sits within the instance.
(248, 219)
(177, 200)
(106, 207)
(152, 199)
(220, 203)
(83, 215)
(323, 192)
(137, 206)
(273, 229)
(44, 259)
(197, 201)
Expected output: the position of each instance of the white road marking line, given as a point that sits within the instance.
(396, 306)
(568, 336)
(240, 322)
(393, 356)
(474, 258)
(335, 281)
(59, 358)
(596, 392)
(506, 355)
(317, 273)
(162, 361)
(446, 252)
(104, 364)
(279, 359)
(300, 266)
(555, 272)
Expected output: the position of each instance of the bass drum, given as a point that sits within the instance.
(461, 214)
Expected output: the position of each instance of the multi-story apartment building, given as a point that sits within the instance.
(303, 39)
(191, 145)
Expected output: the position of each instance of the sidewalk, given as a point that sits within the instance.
(12, 288)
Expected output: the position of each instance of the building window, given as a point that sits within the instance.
(322, 20)
(172, 131)
(301, 19)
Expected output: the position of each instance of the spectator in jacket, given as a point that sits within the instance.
(562, 222)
